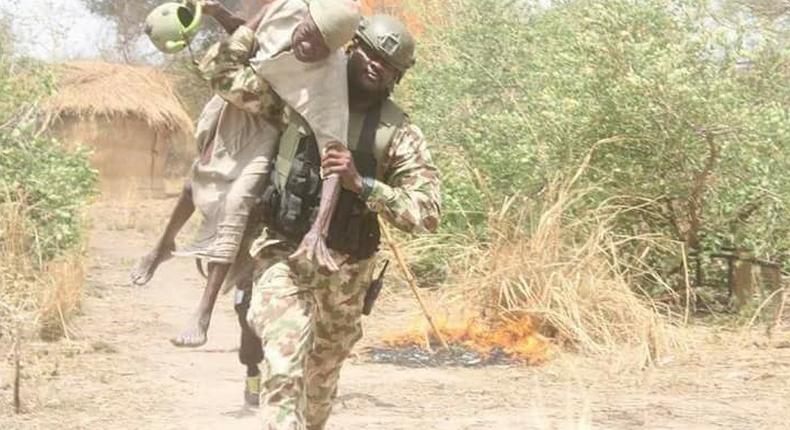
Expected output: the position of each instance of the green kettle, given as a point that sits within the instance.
(172, 26)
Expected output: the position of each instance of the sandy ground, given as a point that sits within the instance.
(119, 371)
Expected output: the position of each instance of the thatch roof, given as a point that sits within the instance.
(92, 88)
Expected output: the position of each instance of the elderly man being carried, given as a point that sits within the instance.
(285, 58)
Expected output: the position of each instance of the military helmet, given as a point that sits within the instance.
(172, 25)
(388, 37)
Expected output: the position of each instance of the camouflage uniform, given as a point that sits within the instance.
(309, 322)
(226, 67)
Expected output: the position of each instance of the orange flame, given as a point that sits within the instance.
(517, 338)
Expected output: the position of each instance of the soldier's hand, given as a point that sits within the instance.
(337, 159)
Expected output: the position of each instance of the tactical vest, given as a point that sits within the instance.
(292, 197)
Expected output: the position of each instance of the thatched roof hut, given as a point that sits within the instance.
(129, 115)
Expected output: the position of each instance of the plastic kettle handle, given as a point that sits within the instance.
(196, 18)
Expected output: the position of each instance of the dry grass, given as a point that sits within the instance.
(17, 265)
(92, 88)
(565, 273)
(61, 293)
(34, 294)
(553, 267)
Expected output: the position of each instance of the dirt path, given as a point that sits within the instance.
(119, 370)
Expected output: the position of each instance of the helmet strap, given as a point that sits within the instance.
(191, 52)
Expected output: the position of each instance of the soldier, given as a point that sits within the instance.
(307, 319)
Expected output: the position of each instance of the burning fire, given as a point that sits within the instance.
(517, 338)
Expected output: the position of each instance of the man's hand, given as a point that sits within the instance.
(220, 13)
(211, 7)
(313, 249)
(337, 159)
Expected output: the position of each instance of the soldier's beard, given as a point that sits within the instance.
(359, 95)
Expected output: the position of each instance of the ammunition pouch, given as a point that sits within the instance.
(290, 208)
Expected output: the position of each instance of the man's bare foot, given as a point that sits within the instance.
(193, 336)
(144, 270)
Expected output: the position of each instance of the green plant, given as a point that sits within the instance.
(52, 182)
(687, 120)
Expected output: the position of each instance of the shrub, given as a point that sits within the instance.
(689, 120)
(53, 183)
(43, 188)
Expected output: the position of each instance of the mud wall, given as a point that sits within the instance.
(129, 155)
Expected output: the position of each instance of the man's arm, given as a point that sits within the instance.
(409, 196)
(226, 67)
(222, 15)
(227, 19)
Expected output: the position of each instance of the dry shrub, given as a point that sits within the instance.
(17, 265)
(34, 293)
(560, 265)
(61, 293)
(549, 271)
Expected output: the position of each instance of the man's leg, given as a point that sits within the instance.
(308, 325)
(144, 270)
(281, 313)
(225, 248)
(250, 348)
(337, 329)
(196, 332)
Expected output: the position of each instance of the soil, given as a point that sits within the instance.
(118, 369)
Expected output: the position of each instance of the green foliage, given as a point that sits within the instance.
(53, 182)
(682, 116)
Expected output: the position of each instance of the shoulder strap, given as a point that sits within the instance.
(392, 119)
(367, 138)
(287, 147)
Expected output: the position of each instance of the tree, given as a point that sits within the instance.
(129, 18)
(685, 119)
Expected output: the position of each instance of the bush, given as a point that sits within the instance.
(687, 120)
(53, 183)
(43, 188)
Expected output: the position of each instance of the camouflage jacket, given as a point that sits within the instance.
(226, 67)
(408, 193)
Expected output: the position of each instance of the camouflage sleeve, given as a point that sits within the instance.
(409, 194)
(226, 67)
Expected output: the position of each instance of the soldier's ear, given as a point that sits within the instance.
(352, 45)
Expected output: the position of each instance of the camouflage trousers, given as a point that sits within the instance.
(308, 323)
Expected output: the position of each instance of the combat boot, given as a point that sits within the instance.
(252, 390)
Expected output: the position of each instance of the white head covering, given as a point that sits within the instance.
(337, 20)
(317, 91)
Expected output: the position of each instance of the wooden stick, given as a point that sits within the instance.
(17, 371)
(688, 284)
(779, 312)
(412, 284)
